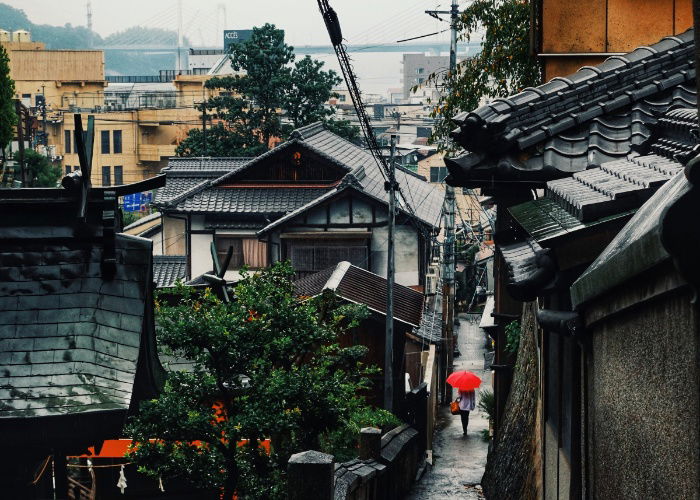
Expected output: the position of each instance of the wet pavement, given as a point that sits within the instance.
(458, 460)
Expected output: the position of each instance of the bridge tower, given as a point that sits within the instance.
(89, 20)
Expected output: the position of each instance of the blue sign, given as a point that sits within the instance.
(136, 202)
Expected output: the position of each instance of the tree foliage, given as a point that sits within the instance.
(40, 171)
(267, 84)
(8, 117)
(310, 88)
(265, 365)
(504, 66)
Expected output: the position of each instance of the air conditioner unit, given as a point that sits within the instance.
(431, 284)
(434, 268)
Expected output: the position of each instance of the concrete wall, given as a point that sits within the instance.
(604, 26)
(643, 403)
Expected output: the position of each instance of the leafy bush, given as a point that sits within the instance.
(487, 403)
(513, 336)
(342, 443)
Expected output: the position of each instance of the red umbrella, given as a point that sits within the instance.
(464, 380)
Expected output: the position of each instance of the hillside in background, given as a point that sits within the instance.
(79, 37)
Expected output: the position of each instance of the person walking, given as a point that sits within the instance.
(467, 402)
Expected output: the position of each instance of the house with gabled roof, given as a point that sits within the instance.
(415, 324)
(315, 200)
(597, 143)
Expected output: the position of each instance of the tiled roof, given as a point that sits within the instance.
(363, 287)
(184, 174)
(167, 269)
(71, 339)
(616, 188)
(625, 184)
(575, 122)
(638, 246)
(424, 199)
(529, 268)
(245, 200)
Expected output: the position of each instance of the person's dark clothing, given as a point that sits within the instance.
(464, 415)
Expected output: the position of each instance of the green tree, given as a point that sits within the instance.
(504, 66)
(345, 129)
(8, 117)
(310, 89)
(268, 84)
(40, 171)
(220, 141)
(265, 365)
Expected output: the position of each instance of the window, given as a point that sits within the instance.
(104, 141)
(67, 136)
(419, 71)
(67, 169)
(341, 97)
(106, 176)
(421, 80)
(117, 137)
(246, 251)
(312, 256)
(118, 175)
(438, 174)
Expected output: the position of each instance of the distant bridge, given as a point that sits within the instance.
(433, 48)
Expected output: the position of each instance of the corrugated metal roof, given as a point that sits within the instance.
(363, 287)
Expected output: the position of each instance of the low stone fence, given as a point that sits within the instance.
(386, 468)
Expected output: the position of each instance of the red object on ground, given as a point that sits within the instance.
(464, 380)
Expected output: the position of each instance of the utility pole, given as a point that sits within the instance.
(204, 129)
(390, 186)
(179, 36)
(20, 140)
(448, 272)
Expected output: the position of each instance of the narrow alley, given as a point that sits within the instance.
(458, 460)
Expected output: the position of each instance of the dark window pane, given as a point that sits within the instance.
(117, 135)
(222, 246)
(104, 140)
(302, 258)
(67, 141)
(106, 176)
(118, 176)
(67, 169)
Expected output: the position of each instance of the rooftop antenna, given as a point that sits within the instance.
(179, 36)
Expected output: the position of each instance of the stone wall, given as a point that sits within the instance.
(643, 404)
(510, 469)
(385, 470)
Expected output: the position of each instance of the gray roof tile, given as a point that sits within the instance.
(167, 269)
(591, 117)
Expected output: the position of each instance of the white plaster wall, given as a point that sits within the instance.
(201, 254)
(340, 211)
(406, 253)
(361, 212)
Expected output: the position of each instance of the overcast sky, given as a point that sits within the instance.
(362, 21)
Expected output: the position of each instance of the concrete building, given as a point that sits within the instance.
(129, 145)
(201, 61)
(417, 68)
(66, 78)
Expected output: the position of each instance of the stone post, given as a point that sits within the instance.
(311, 474)
(370, 443)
